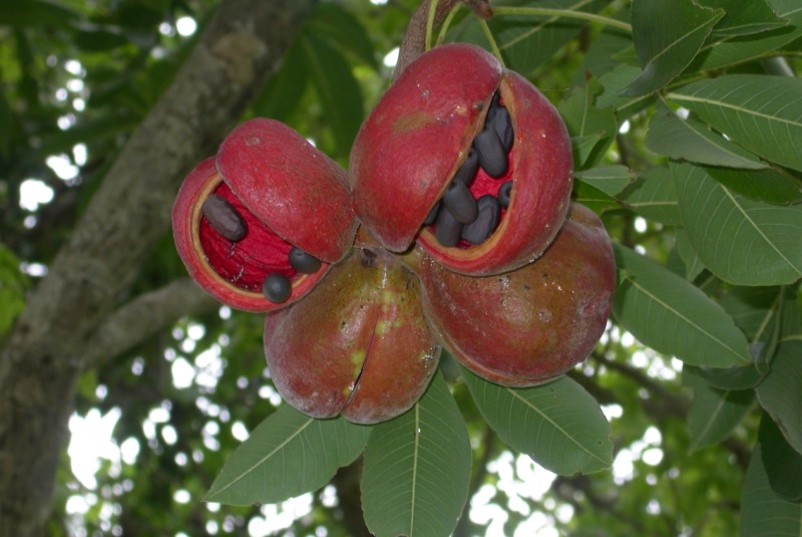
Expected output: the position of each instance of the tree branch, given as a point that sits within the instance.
(144, 316)
(45, 352)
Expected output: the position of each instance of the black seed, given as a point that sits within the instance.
(224, 219)
(277, 288)
(448, 230)
(432, 216)
(502, 124)
(303, 262)
(466, 173)
(492, 157)
(459, 201)
(504, 194)
(485, 224)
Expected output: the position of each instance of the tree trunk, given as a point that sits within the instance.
(46, 351)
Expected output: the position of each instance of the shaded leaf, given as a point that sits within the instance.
(344, 30)
(527, 42)
(692, 140)
(763, 511)
(731, 50)
(741, 241)
(614, 82)
(667, 43)
(714, 413)
(743, 18)
(760, 112)
(558, 424)
(780, 393)
(336, 88)
(286, 87)
(13, 286)
(653, 196)
(593, 198)
(672, 316)
(693, 265)
(609, 179)
(783, 465)
(776, 186)
(417, 467)
(35, 13)
(286, 455)
(732, 378)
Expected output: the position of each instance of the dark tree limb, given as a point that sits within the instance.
(47, 349)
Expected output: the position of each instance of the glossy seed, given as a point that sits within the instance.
(502, 124)
(432, 216)
(504, 194)
(459, 201)
(448, 230)
(277, 288)
(492, 157)
(303, 262)
(224, 218)
(485, 224)
(466, 173)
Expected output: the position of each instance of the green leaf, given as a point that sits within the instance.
(286, 455)
(692, 140)
(344, 30)
(609, 179)
(763, 511)
(337, 89)
(614, 83)
(777, 186)
(36, 13)
(693, 265)
(743, 18)
(286, 88)
(13, 285)
(714, 412)
(780, 393)
(595, 127)
(672, 316)
(526, 42)
(732, 378)
(741, 241)
(653, 196)
(754, 309)
(729, 50)
(417, 468)
(668, 42)
(558, 424)
(760, 112)
(593, 198)
(783, 465)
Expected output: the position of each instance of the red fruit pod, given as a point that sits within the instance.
(533, 324)
(358, 346)
(238, 217)
(453, 101)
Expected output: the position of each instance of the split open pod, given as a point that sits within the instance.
(358, 346)
(533, 324)
(467, 158)
(259, 225)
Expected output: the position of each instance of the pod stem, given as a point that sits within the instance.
(421, 25)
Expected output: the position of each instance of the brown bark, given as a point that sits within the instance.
(46, 352)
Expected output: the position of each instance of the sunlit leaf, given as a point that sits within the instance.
(416, 469)
(558, 424)
(714, 412)
(741, 241)
(667, 43)
(286, 455)
(762, 113)
(672, 316)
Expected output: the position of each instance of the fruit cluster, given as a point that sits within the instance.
(454, 226)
